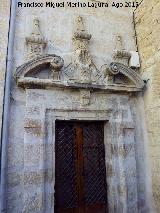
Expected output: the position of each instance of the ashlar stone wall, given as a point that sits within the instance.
(148, 29)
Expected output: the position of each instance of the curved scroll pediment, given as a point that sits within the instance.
(53, 62)
(121, 70)
(33, 74)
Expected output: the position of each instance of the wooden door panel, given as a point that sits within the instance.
(79, 165)
(94, 164)
(80, 168)
(65, 184)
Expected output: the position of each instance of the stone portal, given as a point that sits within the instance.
(81, 92)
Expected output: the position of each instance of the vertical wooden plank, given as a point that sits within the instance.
(94, 165)
(66, 195)
(79, 168)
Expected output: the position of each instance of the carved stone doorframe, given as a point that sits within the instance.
(39, 153)
(84, 117)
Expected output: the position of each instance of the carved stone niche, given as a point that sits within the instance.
(39, 72)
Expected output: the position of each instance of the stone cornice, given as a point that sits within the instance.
(35, 83)
(55, 63)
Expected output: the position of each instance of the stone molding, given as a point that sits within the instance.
(116, 68)
(56, 63)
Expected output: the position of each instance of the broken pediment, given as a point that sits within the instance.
(42, 67)
(46, 71)
(121, 75)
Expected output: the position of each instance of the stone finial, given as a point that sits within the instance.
(119, 42)
(79, 24)
(82, 69)
(81, 58)
(79, 33)
(120, 54)
(35, 42)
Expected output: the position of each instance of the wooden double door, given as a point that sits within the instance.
(80, 184)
